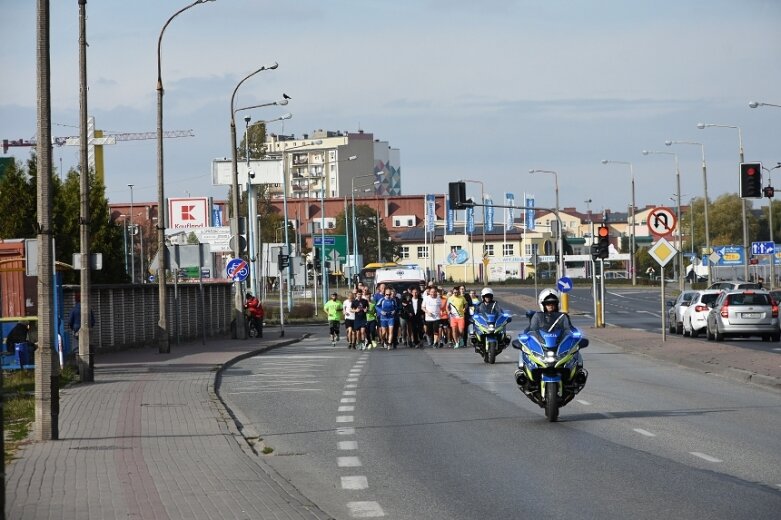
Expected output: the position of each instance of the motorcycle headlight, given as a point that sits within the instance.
(550, 357)
(491, 328)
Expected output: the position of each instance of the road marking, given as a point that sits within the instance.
(365, 509)
(345, 418)
(777, 349)
(617, 295)
(345, 430)
(705, 456)
(346, 409)
(348, 462)
(273, 390)
(347, 445)
(651, 313)
(347, 400)
(644, 432)
(581, 401)
(351, 385)
(349, 392)
(352, 379)
(355, 482)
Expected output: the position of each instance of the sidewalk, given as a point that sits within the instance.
(150, 439)
(724, 359)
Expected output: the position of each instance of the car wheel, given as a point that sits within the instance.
(765, 338)
(671, 326)
(775, 338)
(686, 332)
(708, 334)
(679, 328)
(695, 333)
(717, 336)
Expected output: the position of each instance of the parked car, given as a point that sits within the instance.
(695, 317)
(734, 285)
(744, 313)
(675, 311)
(776, 295)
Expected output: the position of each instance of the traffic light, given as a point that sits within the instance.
(317, 259)
(751, 180)
(769, 192)
(603, 245)
(457, 199)
(283, 261)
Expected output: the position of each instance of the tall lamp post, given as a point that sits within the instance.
(559, 235)
(238, 297)
(633, 260)
(132, 240)
(770, 225)
(677, 212)
(707, 202)
(482, 204)
(164, 345)
(755, 104)
(355, 229)
(742, 201)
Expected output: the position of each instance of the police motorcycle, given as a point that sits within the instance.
(490, 337)
(550, 370)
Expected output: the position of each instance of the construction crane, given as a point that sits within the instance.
(97, 139)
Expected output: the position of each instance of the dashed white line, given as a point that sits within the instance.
(581, 401)
(347, 445)
(347, 400)
(352, 379)
(349, 392)
(355, 482)
(644, 432)
(345, 430)
(346, 409)
(365, 509)
(348, 462)
(705, 456)
(344, 418)
(351, 385)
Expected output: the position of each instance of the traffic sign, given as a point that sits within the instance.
(662, 251)
(564, 284)
(661, 221)
(762, 248)
(336, 243)
(237, 269)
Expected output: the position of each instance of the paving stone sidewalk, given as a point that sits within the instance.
(149, 439)
(725, 359)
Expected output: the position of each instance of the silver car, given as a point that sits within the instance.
(744, 313)
(734, 285)
(676, 309)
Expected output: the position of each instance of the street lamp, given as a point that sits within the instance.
(560, 238)
(238, 298)
(632, 239)
(707, 203)
(755, 104)
(355, 229)
(770, 225)
(164, 346)
(132, 240)
(742, 201)
(677, 211)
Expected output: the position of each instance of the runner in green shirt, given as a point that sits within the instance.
(333, 310)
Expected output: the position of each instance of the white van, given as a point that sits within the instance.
(400, 277)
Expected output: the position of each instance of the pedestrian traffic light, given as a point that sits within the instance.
(769, 192)
(603, 245)
(751, 180)
(283, 261)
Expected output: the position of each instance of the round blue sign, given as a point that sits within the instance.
(237, 269)
(564, 284)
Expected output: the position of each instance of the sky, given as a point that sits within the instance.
(466, 90)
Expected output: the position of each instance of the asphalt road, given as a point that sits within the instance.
(413, 434)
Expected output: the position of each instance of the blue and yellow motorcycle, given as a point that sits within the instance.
(550, 371)
(490, 337)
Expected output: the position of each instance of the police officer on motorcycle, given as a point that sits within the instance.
(549, 319)
(487, 303)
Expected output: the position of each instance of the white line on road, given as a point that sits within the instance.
(349, 392)
(365, 509)
(352, 379)
(272, 390)
(345, 430)
(705, 456)
(644, 432)
(348, 462)
(345, 418)
(351, 385)
(347, 400)
(355, 482)
(347, 445)
(581, 401)
(346, 409)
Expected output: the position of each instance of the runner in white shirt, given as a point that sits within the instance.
(349, 320)
(432, 307)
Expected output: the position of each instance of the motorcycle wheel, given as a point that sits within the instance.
(551, 402)
(491, 354)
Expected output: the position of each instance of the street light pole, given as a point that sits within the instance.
(677, 212)
(355, 229)
(164, 345)
(482, 203)
(707, 203)
(633, 260)
(238, 297)
(132, 240)
(560, 237)
(770, 225)
(743, 204)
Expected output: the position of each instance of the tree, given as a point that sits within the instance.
(366, 220)
(724, 220)
(17, 204)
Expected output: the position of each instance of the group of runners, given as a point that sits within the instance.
(414, 317)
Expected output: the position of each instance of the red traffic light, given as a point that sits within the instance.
(603, 232)
(751, 171)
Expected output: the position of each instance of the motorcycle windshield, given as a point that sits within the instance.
(568, 342)
(550, 339)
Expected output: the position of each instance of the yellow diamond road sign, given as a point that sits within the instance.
(662, 251)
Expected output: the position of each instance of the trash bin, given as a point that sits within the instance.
(24, 354)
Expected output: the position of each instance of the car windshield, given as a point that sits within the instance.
(749, 299)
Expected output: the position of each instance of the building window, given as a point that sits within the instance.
(404, 221)
(422, 251)
(508, 250)
(489, 250)
(531, 249)
(404, 252)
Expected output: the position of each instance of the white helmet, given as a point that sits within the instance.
(548, 295)
(487, 292)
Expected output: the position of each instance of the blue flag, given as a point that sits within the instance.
(489, 214)
(510, 201)
(470, 220)
(530, 213)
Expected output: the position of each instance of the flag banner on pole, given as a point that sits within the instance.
(530, 213)
(450, 216)
(430, 212)
(470, 220)
(510, 201)
(489, 213)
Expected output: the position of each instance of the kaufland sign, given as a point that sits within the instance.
(192, 212)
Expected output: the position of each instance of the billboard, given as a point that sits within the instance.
(189, 212)
(263, 172)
